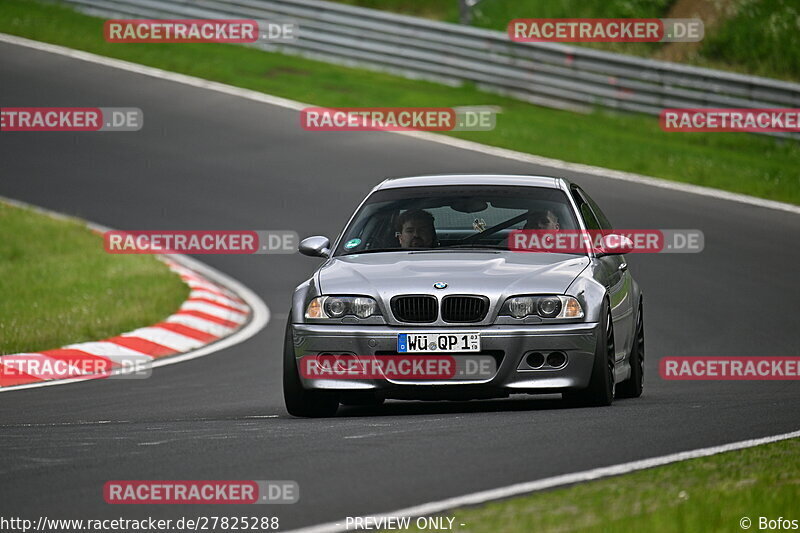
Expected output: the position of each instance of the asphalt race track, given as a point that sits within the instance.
(206, 160)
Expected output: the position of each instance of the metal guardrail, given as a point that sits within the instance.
(549, 74)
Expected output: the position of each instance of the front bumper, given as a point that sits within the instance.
(509, 344)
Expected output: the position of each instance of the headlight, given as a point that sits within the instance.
(543, 306)
(521, 307)
(339, 306)
(364, 307)
(548, 307)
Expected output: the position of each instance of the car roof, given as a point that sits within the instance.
(475, 179)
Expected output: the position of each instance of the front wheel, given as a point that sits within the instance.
(299, 401)
(632, 387)
(600, 391)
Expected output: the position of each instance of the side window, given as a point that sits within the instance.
(601, 217)
(376, 231)
(586, 211)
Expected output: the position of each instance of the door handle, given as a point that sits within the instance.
(623, 267)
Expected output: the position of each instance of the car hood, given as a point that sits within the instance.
(496, 275)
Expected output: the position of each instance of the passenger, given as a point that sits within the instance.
(544, 219)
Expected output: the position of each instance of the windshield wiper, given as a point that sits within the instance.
(377, 250)
(473, 245)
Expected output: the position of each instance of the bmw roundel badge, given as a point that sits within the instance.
(440, 285)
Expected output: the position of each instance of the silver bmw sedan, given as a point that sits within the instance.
(429, 293)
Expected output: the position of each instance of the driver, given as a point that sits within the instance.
(416, 230)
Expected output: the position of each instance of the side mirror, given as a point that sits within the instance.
(316, 246)
(616, 244)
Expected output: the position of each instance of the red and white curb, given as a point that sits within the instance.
(218, 313)
(210, 313)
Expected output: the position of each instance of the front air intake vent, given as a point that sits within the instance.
(415, 308)
(464, 308)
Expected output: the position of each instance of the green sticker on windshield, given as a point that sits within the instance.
(352, 243)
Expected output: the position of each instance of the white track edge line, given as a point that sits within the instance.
(552, 482)
(259, 318)
(427, 136)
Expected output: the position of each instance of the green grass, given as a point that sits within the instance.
(738, 162)
(705, 495)
(760, 37)
(59, 286)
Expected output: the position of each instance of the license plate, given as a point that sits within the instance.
(455, 342)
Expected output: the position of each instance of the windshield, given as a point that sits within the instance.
(453, 217)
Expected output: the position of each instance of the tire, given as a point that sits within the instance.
(632, 387)
(600, 391)
(301, 402)
(361, 399)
